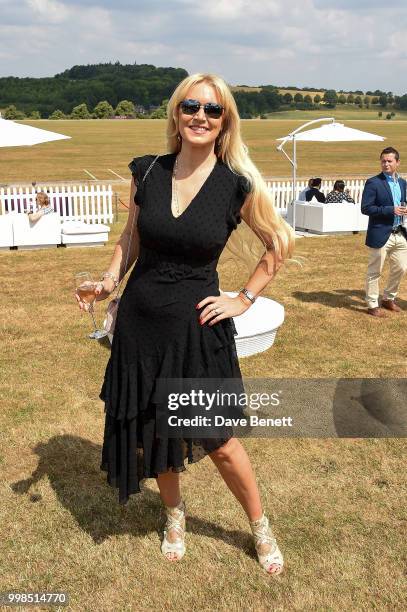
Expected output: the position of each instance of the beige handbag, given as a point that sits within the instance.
(111, 312)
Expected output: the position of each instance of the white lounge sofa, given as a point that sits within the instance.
(327, 218)
(6, 231)
(79, 233)
(44, 232)
(16, 230)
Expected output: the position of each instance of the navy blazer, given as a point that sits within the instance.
(377, 202)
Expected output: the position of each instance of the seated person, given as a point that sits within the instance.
(302, 193)
(44, 207)
(339, 194)
(314, 191)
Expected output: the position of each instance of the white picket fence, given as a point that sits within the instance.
(282, 190)
(90, 203)
(94, 203)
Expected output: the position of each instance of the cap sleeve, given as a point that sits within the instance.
(138, 167)
(243, 188)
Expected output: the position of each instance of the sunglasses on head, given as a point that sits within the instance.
(211, 109)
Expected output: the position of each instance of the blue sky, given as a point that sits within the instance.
(322, 43)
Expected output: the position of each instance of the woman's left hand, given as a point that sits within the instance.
(218, 307)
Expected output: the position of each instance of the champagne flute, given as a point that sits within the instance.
(85, 288)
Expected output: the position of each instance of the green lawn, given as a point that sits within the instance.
(98, 146)
(337, 504)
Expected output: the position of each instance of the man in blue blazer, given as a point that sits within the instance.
(383, 200)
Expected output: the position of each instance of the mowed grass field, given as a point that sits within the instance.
(103, 145)
(337, 505)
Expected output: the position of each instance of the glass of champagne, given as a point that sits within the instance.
(85, 288)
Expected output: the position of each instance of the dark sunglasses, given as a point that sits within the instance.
(191, 107)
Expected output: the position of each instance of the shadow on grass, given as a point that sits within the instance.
(352, 299)
(71, 465)
(370, 408)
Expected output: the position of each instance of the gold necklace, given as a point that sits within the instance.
(174, 184)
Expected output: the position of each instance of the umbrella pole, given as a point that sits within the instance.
(294, 188)
(293, 161)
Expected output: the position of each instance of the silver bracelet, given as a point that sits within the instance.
(110, 275)
(250, 296)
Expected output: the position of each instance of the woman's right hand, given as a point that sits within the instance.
(103, 290)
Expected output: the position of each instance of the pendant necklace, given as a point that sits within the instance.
(174, 185)
(175, 190)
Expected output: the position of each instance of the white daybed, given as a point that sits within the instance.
(327, 218)
(79, 233)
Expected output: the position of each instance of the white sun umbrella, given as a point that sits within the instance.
(332, 132)
(19, 135)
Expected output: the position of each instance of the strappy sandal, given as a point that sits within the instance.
(263, 539)
(176, 522)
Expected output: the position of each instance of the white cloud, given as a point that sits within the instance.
(360, 5)
(50, 10)
(243, 11)
(327, 43)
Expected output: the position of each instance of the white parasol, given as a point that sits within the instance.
(18, 135)
(333, 132)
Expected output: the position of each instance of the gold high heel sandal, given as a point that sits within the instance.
(175, 522)
(268, 552)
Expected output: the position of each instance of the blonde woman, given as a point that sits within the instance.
(43, 207)
(172, 320)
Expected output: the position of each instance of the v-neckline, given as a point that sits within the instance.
(198, 193)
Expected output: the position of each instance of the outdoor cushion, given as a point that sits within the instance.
(80, 227)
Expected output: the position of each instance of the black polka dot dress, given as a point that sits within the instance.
(158, 334)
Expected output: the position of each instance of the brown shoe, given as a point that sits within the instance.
(390, 305)
(376, 312)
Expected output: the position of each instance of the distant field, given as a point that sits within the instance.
(244, 88)
(304, 92)
(284, 90)
(341, 112)
(100, 146)
(301, 91)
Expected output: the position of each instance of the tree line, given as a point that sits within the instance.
(103, 110)
(144, 85)
(103, 91)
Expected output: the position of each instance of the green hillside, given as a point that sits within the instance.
(143, 84)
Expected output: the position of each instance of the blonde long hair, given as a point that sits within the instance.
(272, 231)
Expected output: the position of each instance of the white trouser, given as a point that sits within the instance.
(396, 250)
